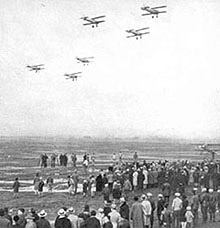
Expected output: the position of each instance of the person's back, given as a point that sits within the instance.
(7, 216)
(124, 223)
(114, 216)
(107, 223)
(22, 221)
(16, 225)
(43, 223)
(136, 214)
(74, 220)
(93, 222)
(195, 202)
(30, 224)
(4, 223)
(63, 222)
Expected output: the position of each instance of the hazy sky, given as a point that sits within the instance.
(165, 84)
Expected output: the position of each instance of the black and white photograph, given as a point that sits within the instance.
(109, 113)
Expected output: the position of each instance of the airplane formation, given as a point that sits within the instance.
(94, 22)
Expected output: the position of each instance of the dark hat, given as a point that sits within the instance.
(2, 212)
(86, 208)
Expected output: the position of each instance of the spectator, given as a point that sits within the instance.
(7, 216)
(30, 223)
(34, 214)
(40, 187)
(62, 221)
(72, 217)
(22, 221)
(4, 223)
(16, 187)
(43, 222)
(16, 219)
(189, 217)
(176, 207)
(93, 222)
(114, 216)
(147, 209)
(124, 209)
(136, 214)
(160, 208)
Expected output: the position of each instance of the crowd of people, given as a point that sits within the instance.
(188, 194)
(179, 212)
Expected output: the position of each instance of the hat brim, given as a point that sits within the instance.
(42, 215)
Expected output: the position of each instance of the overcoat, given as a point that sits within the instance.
(136, 215)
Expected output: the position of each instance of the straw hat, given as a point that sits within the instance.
(113, 206)
(61, 212)
(100, 210)
(143, 197)
(29, 217)
(71, 210)
(42, 214)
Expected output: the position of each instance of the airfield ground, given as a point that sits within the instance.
(20, 157)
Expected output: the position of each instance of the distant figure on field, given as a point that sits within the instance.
(114, 159)
(65, 160)
(50, 182)
(53, 160)
(44, 158)
(120, 157)
(40, 187)
(75, 178)
(36, 183)
(16, 186)
(85, 165)
(70, 184)
(93, 161)
(85, 157)
(74, 159)
(135, 157)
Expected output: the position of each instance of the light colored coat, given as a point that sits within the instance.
(114, 218)
(137, 215)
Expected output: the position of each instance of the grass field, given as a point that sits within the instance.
(20, 157)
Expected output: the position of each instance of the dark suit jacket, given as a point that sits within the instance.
(93, 222)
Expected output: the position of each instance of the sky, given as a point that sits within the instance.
(165, 84)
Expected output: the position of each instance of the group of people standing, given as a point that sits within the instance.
(64, 159)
